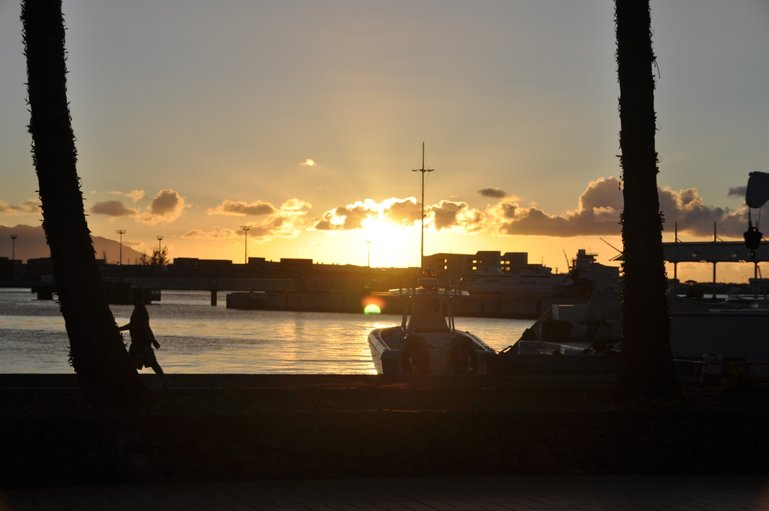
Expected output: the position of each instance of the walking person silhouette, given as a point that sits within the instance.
(142, 339)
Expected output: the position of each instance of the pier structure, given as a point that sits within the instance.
(713, 252)
(213, 285)
(281, 279)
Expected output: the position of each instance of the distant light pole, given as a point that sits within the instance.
(13, 247)
(422, 244)
(160, 247)
(120, 232)
(369, 253)
(246, 228)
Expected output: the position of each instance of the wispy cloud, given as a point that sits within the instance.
(308, 162)
(113, 208)
(284, 221)
(200, 234)
(30, 206)
(133, 195)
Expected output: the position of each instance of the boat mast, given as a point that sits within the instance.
(422, 244)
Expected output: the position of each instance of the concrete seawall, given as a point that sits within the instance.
(494, 305)
(260, 426)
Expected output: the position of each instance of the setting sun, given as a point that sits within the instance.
(390, 244)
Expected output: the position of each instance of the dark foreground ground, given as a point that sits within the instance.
(304, 430)
(490, 493)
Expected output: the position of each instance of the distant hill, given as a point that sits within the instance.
(30, 244)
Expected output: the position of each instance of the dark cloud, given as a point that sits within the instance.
(273, 227)
(166, 206)
(457, 214)
(114, 208)
(508, 210)
(602, 194)
(199, 234)
(241, 208)
(737, 191)
(599, 208)
(347, 217)
(494, 193)
(535, 222)
(473, 220)
(167, 203)
(324, 224)
(445, 213)
(402, 211)
(687, 209)
(597, 212)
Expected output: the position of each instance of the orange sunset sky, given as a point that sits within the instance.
(304, 119)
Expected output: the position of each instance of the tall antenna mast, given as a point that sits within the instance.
(422, 245)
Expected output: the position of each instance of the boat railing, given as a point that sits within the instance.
(444, 305)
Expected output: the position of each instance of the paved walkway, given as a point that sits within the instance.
(572, 493)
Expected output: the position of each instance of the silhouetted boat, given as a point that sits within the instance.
(731, 332)
(427, 341)
(533, 280)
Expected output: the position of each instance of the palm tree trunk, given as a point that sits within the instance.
(646, 369)
(97, 352)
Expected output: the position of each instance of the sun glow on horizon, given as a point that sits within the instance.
(390, 244)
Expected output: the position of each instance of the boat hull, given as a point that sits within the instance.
(387, 352)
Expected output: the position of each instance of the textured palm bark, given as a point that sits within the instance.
(97, 352)
(646, 369)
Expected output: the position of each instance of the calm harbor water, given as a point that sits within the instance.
(199, 338)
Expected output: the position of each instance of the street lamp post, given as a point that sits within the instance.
(422, 243)
(120, 232)
(245, 228)
(13, 247)
(160, 249)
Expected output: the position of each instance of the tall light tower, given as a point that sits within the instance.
(120, 232)
(245, 228)
(422, 244)
(13, 247)
(369, 253)
(160, 247)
